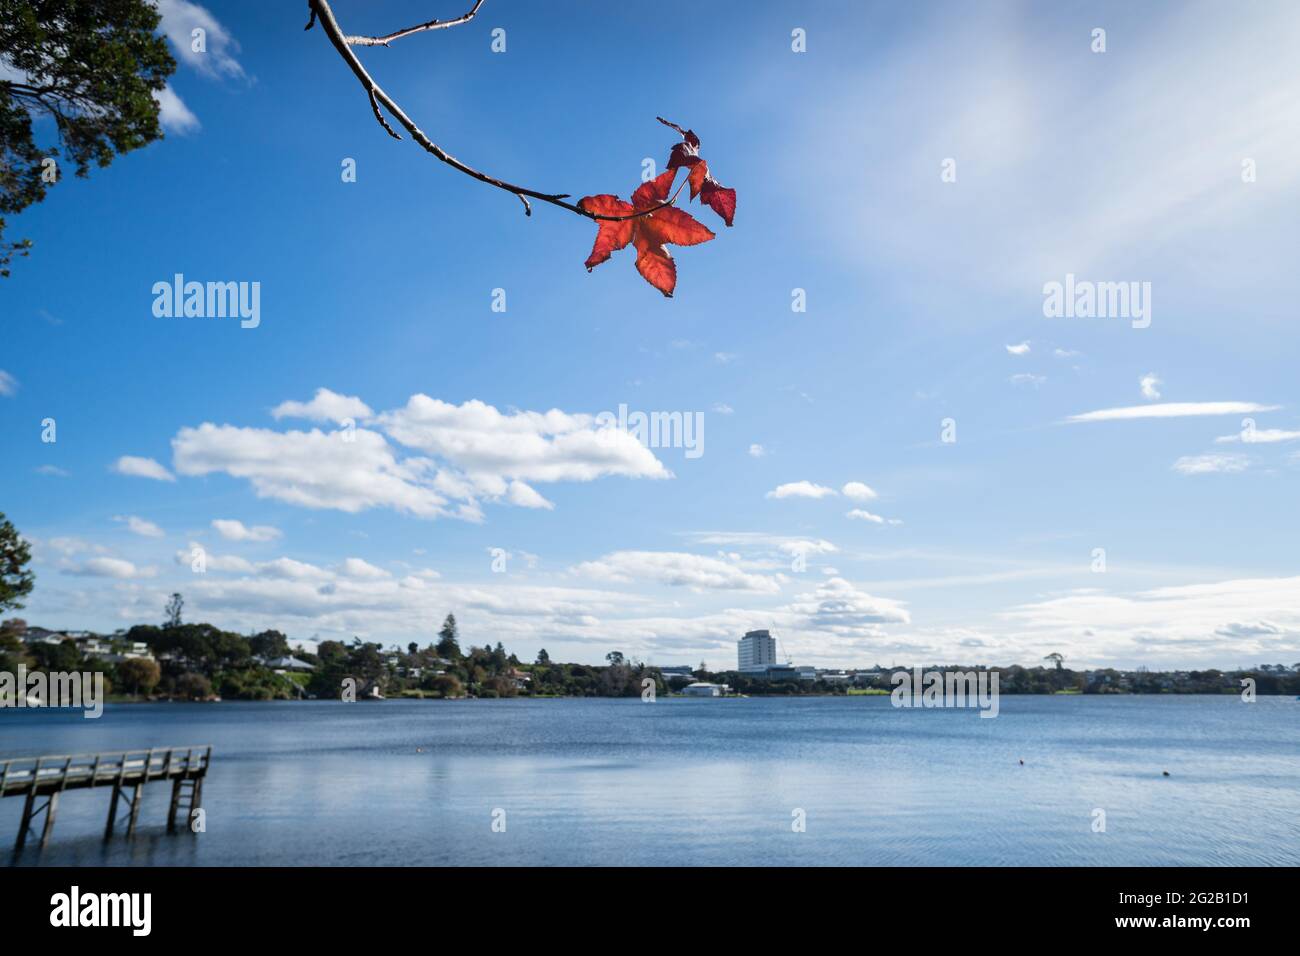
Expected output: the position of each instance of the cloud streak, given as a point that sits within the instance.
(1171, 410)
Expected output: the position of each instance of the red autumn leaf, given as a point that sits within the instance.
(718, 198)
(699, 173)
(651, 234)
(685, 153)
(712, 193)
(610, 235)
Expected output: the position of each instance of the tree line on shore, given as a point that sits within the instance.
(202, 662)
(198, 661)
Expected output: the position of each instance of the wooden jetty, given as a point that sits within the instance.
(125, 771)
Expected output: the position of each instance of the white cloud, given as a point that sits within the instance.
(1262, 436)
(173, 114)
(1235, 629)
(1189, 621)
(1150, 384)
(1027, 378)
(755, 542)
(524, 496)
(299, 597)
(179, 20)
(67, 546)
(489, 447)
(52, 470)
(233, 530)
(757, 451)
(803, 546)
(722, 408)
(325, 406)
(530, 560)
(475, 452)
(214, 58)
(858, 491)
(831, 622)
(800, 489)
(288, 569)
(362, 570)
(142, 468)
(104, 567)
(8, 384)
(312, 469)
(140, 526)
(676, 569)
(1021, 349)
(1171, 410)
(861, 514)
(1066, 353)
(1211, 464)
(214, 562)
(842, 608)
(428, 574)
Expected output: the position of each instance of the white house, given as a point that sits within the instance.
(282, 664)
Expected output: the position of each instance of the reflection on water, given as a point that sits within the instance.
(686, 782)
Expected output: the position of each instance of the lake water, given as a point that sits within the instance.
(682, 782)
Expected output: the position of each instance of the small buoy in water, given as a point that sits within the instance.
(1022, 761)
(1165, 772)
(419, 750)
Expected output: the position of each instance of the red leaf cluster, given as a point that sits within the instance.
(652, 224)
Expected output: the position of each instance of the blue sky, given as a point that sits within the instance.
(475, 427)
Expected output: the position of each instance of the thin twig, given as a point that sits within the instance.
(420, 28)
(320, 9)
(374, 105)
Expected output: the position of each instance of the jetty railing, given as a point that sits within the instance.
(40, 779)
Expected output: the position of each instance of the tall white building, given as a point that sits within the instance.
(756, 651)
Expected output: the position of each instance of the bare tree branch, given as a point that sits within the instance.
(431, 25)
(320, 9)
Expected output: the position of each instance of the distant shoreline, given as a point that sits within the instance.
(871, 692)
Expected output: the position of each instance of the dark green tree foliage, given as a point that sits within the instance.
(11, 644)
(138, 676)
(90, 67)
(583, 680)
(190, 686)
(15, 580)
(269, 644)
(172, 613)
(449, 639)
